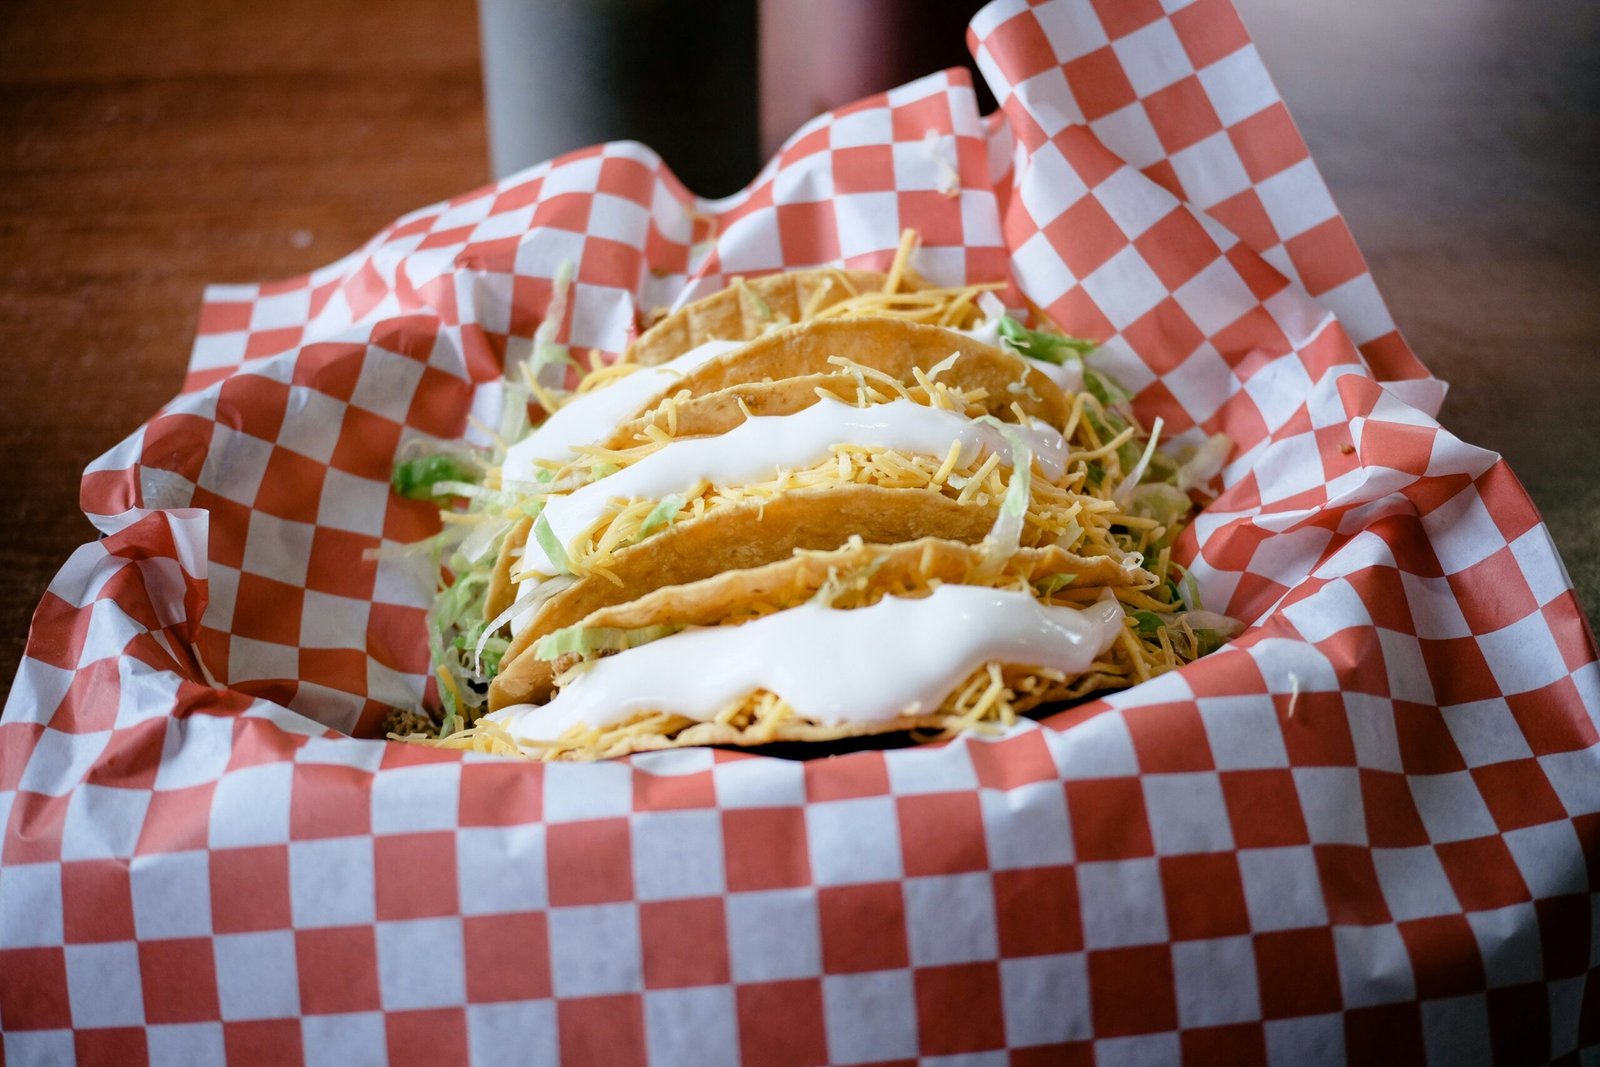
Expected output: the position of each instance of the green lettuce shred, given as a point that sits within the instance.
(1048, 347)
(415, 479)
(587, 640)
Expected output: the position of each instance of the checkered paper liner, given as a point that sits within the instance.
(1363, 830)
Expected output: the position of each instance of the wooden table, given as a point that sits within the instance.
(148, 149)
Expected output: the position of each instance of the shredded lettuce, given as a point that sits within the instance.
(1055, 583)
(1047, 347)
(1197, 470)
(1005, 536)
(417, 479)
(551, 544)
(587, 640)
(661, 516)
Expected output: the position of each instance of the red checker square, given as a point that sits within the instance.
(1326, 256)
(177, 443)
(684, 943)
(910, 122)
(1122, 17)
(520, 195)
(1519, 1024)
(271, 342)
(809, 145)
(1013, 762)
(58, 633)
(1483, 873)
(1318, 735)
(224, 316)
(610, 263)
(1177, 248)
(1267, 142)
(1170, 738)
(89, 704)
(563, 211)
(1493, 593)
(229, 524)
(1085, 236)
(781, 1024)
(17, 742)
(862, 774)
(1350, 886)
(936, 216)
(1255, 593)
(863, 169)
(338, 969)
(1205, 896)
(415, 875)
(1037, 910)
(336, 565)
(253, 405)
(1518, 794)
(1131, 991)
(863, 927)
(1426, 744)
(274, 1041)
(1262, 277)
(344, 669)
(942, 833)
(1392, 819)
(439, 406)
(1077, 314)
(250, 889)
(674, 792)
(318, 807)
(426, 1038)
(96, 901)
(1513, 512)
(765, 848)
(1067, 1054)
(501, 794)
(589, 862)
(1182, 114)
(1109, 821)
(1552, 719)
(394, 638)
(1564, 934)
(33, 989)
(1165, 175)
(1164, 336)
(176, 820)
(1445, 961)
(1564, 616)
(122, 1045)
(268, 610)
(1099, 84)
(1020, 48)
(1224, 1046)
(1245, 215)
(602, 1030)
(1390, 1033)
(1459, 671)
(1263, 809)
(959, 1009)
(809, 233)
(627, 178)
(366, 445)
(507, 957)
(455, 235)
(179, 978)
(1209, 30)
(530, 300)
(1297, 973)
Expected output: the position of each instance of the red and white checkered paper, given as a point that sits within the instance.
(1364, 829)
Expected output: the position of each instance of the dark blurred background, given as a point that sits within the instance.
(147, 149)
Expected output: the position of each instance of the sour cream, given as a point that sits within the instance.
(899, 656)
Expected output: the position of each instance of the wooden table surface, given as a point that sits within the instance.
(148, 149)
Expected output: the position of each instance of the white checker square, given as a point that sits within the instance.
(1215, 298)
(1280, 389)
(279, 310)
(1282, 889)
(234, 465)
(406, 582)
(802, 184)
(1238, 85)
(1125, 288)
(1128, 133)
(312, 423)
(924, 165)
(331, 882)
(1134, 202)
(1187, 813)
(1456, 1030)
(1486, 732)
(279, 549)
(184, 1044)
(1049, 100)
(1408, 671)
(1121, 903)
(773, 935)
(1523, 656)
(602, 316)
(1049, 185)
(1372, 732)
(572, 176)
(414, 799)
(387, 384)
(1362, 312)
(698, 1026)
(197, 750)
(343, 1039)
(501, 869)
(103, 822)
(420, 964)
(1044, 999)
(854, 841)
(677, 854)
(1073, 30)
(103, 985)
(1296, 200)
(36, 691)
(595, 950)
(1462, 532)
(950, 919)
(1434, 608)
(1026, 826)
(870, 1016)
(1040, 272)
(529, 1027)
(171, 895)
(871, 126)
(352, 504)
(393, 687)
(930, 769)
(574, 792)
(1137, 1051)
(256, 975)
(864, 222)
(251, 806)
(1202, 383)
(1308, 1039)
(1451, 806)
(541, 253)
(751, 243)
(1540, 565)
(618, 219)
(1100, 747)
(941, 266)
(213, 350)
(1216, 982)
(329, 621)
(1550, 857)
(1243, 732)
(1508, 941)
(1330, 800)
(1152, 57)
(30, 905)
(758, 782)
(1414, 883)
(1374, 967)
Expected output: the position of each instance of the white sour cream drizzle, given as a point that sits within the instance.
(588, 417)
(760, 447)
(1068, 375)
(899, 656)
